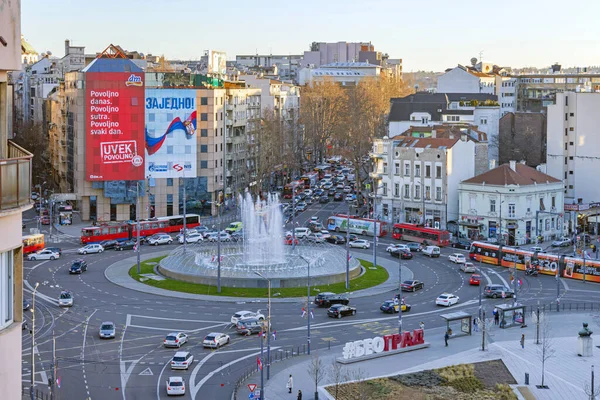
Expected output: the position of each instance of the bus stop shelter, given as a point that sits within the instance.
(460, 320)
(511, 315)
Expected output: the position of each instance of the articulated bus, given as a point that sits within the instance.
(292, 189)
(414, 233)
(33, 243)
(128, 230)
(361, 226)
(549, 264)
(310, 180)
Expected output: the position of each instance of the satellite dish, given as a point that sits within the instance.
(474, 61)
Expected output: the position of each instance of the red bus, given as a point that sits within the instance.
(310, 180)
(128, 230)
(414, 233)
(33, 243)
(292, 189)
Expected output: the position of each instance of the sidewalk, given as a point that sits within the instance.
(566, 374)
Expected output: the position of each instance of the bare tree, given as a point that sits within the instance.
(336, 373)
(546, 349)
(316, 371)
(31, 136)
(590, 389)
(358, 377)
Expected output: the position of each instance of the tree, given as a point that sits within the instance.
(526, 145)
(336, 374)
(31, 136)
(316, 371)
(546, 349)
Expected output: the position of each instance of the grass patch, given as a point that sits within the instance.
(372, 276)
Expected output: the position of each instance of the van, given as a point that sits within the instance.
(432, 251)
(234, 227)
(301, 233)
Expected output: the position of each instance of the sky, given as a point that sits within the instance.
(429, 35)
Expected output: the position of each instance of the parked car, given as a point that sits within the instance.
(242, 315)
(340, 310)
(91, 248)
(182, 360)
(391, 306)
(395, 246)
(562, 242)
(175, 339)
(327, 299)
(108, 330)
(361, 243)
(127, 245)
(468, 267)
(175, 386)
(462, 244)
(411, 286)
(160, 238)
(108, 244)
(446, 299)
(475, 280)
(215, 340)
(78, 267)
(457, 258)
(65, 299)
(301, 207)
(402, 254)
(192, 238)
(496, 291)
(43, 255)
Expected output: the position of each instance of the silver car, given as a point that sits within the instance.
(107, 330)
(65, 299)
(160, 238)
(175, 339)
(215, 340)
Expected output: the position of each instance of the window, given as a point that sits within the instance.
(169, 181)
(570, 143)
(554, 200)
(169, 205)
(427, 192)
(492, 205)
(511, 210)
(203, 101)
(566, 116)
(406, 191)
(204, 132)
(571, 129)
(397, 169)
(428, 171)
(566, 145)
(438, 193)
(572, 114)
(483, 121)
(385, 168)
(384, 189)
(406, 169)
(417, 191)
(203, 164)
(417, 170)
(203, 117)
(6, 289)
(396, 190)
(438, 171)
(566, 132)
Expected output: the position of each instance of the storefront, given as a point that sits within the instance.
(471, 227)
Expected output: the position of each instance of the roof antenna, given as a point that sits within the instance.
(480, 55)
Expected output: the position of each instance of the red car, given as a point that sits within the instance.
(288, 240)
(45, 220)
(475, 279)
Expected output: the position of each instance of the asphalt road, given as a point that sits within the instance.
(135, 365)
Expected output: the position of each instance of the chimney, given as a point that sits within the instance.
(513, 165)
(67, 45)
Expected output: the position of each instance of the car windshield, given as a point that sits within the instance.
(65, 296)
(107, 327)
(408, 282)
(177, 358)
(76, 265)
(176, 383)
(443, 297)
(209, 338)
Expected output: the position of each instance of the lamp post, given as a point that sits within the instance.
(307, 303)
(480, 276)
(348, 249)
(400, 293)
(33, 341)
(374, 225)
(219, 249)
(137, 226)
(184, 217)
(514, 280)
(268, 330)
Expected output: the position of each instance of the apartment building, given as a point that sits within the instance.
(15, 198)
(287, 65)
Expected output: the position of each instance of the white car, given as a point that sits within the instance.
(446, 299)
(65, 299)
(325, 234)
(562, 242)
(215, 340)
(175, 386)
(393, 247)
(43, 255)
(315, 237)
(182, 360)
(214, 237)
(537, 249)
(314, 219)
(175, 339)
(347, 189)
(457, 258)
(360, 243)
(91, 248)
(308, 192)
(468, 267)
(191, 238)
(241, 315)
(159, 238)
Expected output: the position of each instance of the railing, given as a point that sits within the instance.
(37, 393)
(559, 307)
(15, 178)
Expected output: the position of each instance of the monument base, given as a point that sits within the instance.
(585, 346)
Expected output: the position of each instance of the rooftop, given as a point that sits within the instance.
(505, 175)
(424, 143)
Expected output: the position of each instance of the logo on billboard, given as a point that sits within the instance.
(137, 161)
(120, 152)
(177, 167)
(134, 80)
(153, 144)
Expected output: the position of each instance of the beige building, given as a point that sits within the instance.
(15, 197)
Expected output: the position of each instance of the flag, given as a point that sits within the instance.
(520, 282)
(349, 257)
(259, 363)
(303, 312)
(312, 315)
(274, 335)
(260, 334)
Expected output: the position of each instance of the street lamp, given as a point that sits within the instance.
(268, 331)
(184, 217)
(500, 214)
(348, 249)
(307, 303)
(33, 341)
(400, 293)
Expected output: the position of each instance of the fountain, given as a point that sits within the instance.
(262, 250)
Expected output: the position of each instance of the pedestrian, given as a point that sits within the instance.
(290, 384)
(422, 325)
(299, 394)
(476, 324)
(496, 318)
(446, 337)
(523, 341)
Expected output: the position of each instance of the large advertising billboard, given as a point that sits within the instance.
(114, 126)
(170, 136)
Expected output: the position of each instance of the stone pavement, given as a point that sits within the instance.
(566, 374)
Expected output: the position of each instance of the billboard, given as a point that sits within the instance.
(217, 62)
(170, 135)
(114, 126)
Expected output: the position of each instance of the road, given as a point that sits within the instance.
(135, 365)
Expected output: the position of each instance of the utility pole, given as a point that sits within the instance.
(537, 325)
(307, 306)
(480, 277)
(400, 293)
(374, 224)
(33, 342)
(137, 216)
(514, 280)
(583, 254)
(348, 249)
(52, 379)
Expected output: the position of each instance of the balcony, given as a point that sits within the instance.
(15, 179)
(376, 155)
(229, 122)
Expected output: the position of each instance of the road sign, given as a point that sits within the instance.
(252, 386)
(251, 396)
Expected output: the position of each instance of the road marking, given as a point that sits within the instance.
(87, 322)
(499, 277)
(176, 330)
(146, 372)
(163, 318)
(37, 265)
(487, 278)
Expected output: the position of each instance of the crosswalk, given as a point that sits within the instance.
(61, 238)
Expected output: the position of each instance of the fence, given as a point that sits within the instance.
(38, 394)
(558, 307)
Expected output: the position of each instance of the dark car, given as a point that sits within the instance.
(338, 197)
(402, 253)
(249, 326)
(336, 239)
(108, 244)
(327, 298)
(462, 244)
(412, 286)
(128, 245)
(55, 249)
(324, 199)
(319, 192)
(331, 192)
(412, 246)
(78, 267)
(391, 306)
(237, 237)
(496, 291)
(25, 305)
(340, 310)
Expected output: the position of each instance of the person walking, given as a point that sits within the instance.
(299, 394)
(290, 384)
(446, 337)
(476, 324)
(523, 341)
(422, 325)
(496, 317)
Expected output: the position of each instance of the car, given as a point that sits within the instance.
(288, 240)
(328, 186)
(431, 251)
(413, 246)
(201, 229)
(108, 244)
(402, 254)
(126, 245)
(360, 243)
(327, 299)
(78, 267)
(457, 258)
(237, 236)
(91, 248)
(192, 238)
(160, 238)
(468, 267)
(350, 197)
(537, 249)
(340, 310)
(325, 233)
(391, 306)
(394, 246)
(446, 299)
(175, 339)
(336, 239)
(338, 196)
(250, 326)
(43, 255)
(347, 189)
(182, 360)
(208, 232)
(331, 192)
(462, 244)
(54, 249)
(45, 220)
(301, 207)
(475, 279)
(242, 315)
(175, 386)
(319, 192)
(308, 200)
(234, 227)
(562, 242)
(26, 305)
(215, 340)
(34, 196)
(315, 237)
(107, 330)
(301, 233)
(324, 199)
(339, 186)
(308, 192)
(411, 286)
(215, 237)
(352, 237)
(65, 299)
(497, 291)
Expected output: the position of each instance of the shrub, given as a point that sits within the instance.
(468, 384)
(421, 378)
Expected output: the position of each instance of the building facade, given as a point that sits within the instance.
(512, 203)
(326, 53)
(522, 136)
(287, 65)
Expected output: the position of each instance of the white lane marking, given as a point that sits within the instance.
(87, 322)
(487, 278)
(491, 271)
(35, 266)
(564, 283)
(163, 318)
(177, 330)
(42, 373)
(158, 379)
(38, 294)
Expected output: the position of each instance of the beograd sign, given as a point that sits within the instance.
(383, 346)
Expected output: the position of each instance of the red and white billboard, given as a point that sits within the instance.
(114, 126)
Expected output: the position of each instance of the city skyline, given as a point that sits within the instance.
(451, 35)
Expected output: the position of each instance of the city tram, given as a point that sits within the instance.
(33, 243)
(361, 226)
(549, 264)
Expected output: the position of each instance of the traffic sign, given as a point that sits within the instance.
(251, 396)
(252, 386)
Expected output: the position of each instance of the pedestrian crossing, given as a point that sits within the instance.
(61, 238)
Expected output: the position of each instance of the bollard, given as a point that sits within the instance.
(527, 378)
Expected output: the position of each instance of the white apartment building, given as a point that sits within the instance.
(275, 95)
(287, 65)
(418, 178)
(344, 73)
(514, 200)
(327, 53)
